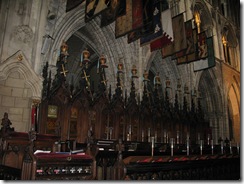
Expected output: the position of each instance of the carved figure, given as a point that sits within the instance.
(6, 123)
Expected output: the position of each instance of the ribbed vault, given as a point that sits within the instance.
(80, 35)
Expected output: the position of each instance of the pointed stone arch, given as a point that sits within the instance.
(234, 101)
(101, 40)
(212, 102)
(19, 63)
(206, 19)
(234, 114)
(228, 31)
(20, 86)
(230, 43)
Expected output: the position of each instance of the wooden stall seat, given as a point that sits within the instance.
(206, 167)
(15, 144)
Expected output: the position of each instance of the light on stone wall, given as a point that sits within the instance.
(224, 40)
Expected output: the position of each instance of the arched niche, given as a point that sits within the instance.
(206, 23)
(212, 103)
(234, 116)
(230, 45)
(20, 87)
(100, 40)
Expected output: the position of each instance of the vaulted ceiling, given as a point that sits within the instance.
(102, 41)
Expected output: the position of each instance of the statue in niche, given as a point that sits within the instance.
(6, 123)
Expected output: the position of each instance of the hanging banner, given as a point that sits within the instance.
(202, 45)
(182, 55)
(123, 24)
(147, 28)
(179, 42)
(157, 25)
(94, 8)
(208, 62)
(116, 9)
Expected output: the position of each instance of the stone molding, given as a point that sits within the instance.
(18, 62)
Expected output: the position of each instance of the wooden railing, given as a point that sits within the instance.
(135, 162)
(114, 160)
(182, 168)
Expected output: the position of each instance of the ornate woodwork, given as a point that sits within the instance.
(181, 168)
(102, 123)
(84, 115)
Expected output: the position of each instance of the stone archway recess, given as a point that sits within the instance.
(20, 86)
(233, 104)
(102, 41)
(212, 103)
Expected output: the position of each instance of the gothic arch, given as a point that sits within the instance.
(19, 63)
(20, 87)
(103, 42)
(228, 31)
(206, 19)
(236, 87)
(230, 43)
(234, 114)
(212, 102)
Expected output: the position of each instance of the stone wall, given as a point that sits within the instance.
(15, 99)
